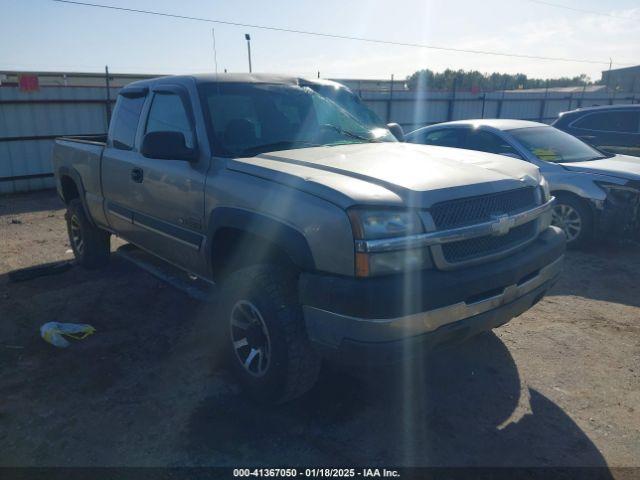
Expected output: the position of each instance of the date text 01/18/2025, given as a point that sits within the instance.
(316, 472)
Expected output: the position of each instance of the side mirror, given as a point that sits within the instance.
(167, 146)
(397, 131)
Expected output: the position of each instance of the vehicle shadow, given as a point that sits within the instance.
(463, 406)
(146, 373)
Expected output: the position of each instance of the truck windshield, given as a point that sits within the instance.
(349, 101)
(553, 145)
(249, 119)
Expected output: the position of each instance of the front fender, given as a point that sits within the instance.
(285, 237)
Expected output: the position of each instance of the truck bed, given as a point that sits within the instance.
(99, 139)
(80, 158)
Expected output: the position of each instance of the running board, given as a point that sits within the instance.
(194, 287)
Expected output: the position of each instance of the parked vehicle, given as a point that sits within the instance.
(597, 193)
(613, 128)
(329, 237)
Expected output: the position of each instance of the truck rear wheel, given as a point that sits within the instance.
(90, 244)
(269, 351)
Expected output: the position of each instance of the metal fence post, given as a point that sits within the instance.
(484, 99)
(543, 103)
(452, 100)
(390, 100)
(108, 100)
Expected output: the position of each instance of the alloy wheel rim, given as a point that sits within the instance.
(250, 338)
(76, 235)
(568, 219)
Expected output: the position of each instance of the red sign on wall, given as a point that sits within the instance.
(28, 83)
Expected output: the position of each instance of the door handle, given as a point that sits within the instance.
(137, 175)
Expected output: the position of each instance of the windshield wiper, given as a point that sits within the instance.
(348, 133)
(281, 145)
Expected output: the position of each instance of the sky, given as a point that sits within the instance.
(42, 35)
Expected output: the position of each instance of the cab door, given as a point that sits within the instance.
(169, 202)
(119, 163)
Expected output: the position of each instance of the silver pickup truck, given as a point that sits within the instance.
(329, 238)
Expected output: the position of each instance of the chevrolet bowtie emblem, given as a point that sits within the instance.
(502, 225)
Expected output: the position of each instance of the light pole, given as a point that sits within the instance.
(248, 39)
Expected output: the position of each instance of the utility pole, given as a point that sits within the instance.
(247, 37)
(215, 53)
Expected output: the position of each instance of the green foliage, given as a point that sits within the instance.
(475, 80)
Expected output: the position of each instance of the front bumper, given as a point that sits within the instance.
(344, 316)
(618, 218)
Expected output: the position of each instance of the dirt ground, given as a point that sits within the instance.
(558, 386)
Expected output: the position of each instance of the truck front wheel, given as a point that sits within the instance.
(269, 351)
(90, 245)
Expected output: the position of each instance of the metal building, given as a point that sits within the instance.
(623, 79)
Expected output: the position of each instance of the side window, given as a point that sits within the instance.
(168, 114)
(126, 116)
(488, 142)
(446, 137)
(620, 121)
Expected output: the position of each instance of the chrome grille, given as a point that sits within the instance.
(480, 209)
(468, 211)
(478, 247)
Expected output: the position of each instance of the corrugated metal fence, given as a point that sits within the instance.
(30, 121)
(415, 109)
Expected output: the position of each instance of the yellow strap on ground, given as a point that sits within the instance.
(80, 336)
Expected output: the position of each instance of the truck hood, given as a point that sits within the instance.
(390, 173)
(621, 166)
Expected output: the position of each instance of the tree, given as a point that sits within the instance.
(473, 79)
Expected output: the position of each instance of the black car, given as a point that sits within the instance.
(614, 128)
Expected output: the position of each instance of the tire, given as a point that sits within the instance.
(90, 245)
(260, 312)
(573, 216)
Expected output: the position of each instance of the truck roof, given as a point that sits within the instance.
(271, 78)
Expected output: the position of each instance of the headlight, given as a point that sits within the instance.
(546, 218)
(544, 187)
(619, 193)
(385, 263)
(378, 224)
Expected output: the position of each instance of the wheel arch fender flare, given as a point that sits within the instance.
(75, 176)
(290, 240)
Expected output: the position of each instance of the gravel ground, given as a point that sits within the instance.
(558, 386)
